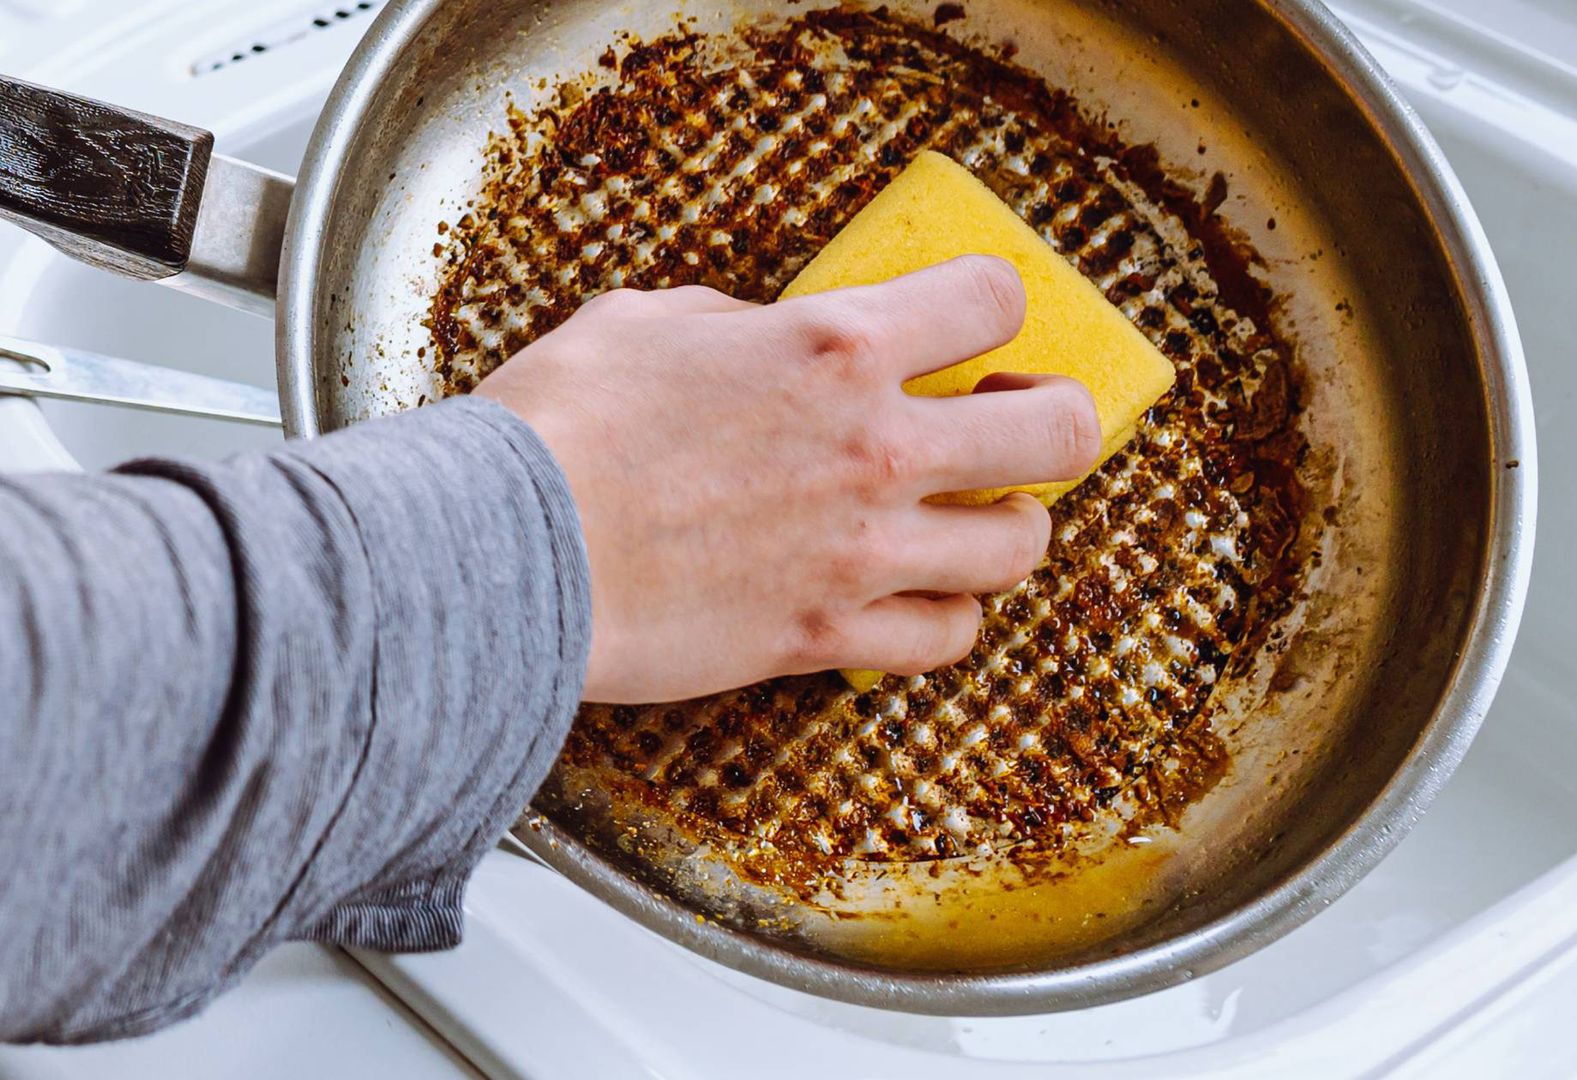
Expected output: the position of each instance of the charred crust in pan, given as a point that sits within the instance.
(729, 162)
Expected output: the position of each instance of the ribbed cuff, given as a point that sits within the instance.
(502, 547)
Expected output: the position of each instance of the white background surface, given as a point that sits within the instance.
(304, 1011)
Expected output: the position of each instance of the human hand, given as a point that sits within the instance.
(750, 479)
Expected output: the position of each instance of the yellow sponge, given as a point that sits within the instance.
(936, 210)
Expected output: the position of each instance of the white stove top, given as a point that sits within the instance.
(1458, 956)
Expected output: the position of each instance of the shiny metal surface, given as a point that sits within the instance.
(1419, 396)
(1416, 398)
(240, 227)
(51, 371)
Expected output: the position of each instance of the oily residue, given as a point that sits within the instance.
(730, 160)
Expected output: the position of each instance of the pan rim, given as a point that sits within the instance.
(1485, 651)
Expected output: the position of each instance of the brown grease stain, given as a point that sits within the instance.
(714, 765)
(991, 925)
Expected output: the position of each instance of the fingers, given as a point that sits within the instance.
(917, 323)
(971, 549)
(695, 300)
(998, 381)
(908, 635)
(684, 300)
(1015, 429)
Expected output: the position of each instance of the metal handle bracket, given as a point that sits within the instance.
(37, 370)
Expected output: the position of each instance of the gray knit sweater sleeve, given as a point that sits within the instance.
(289, 696)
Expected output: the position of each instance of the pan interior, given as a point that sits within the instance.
(1394, 413)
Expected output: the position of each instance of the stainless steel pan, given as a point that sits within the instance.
(1417, 395)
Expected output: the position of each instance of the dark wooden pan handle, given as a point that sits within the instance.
(111, 187)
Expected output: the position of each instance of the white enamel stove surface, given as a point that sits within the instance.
(1457, 957)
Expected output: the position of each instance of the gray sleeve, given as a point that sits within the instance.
(289, 696)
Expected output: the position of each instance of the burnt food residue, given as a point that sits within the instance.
(729, 161)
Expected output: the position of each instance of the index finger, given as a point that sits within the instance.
(923, 321)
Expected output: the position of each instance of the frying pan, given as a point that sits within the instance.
(1416, 395)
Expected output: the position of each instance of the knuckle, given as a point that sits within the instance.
(1026, 545)
(994, 286)
(843, 348)
(940, 638)
(615, 302)
(1075, 433)
(703, 293)
(815, 640)
(914, 658)
(878, 461)
(963, 632)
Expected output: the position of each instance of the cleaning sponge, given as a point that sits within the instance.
(936, 210)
